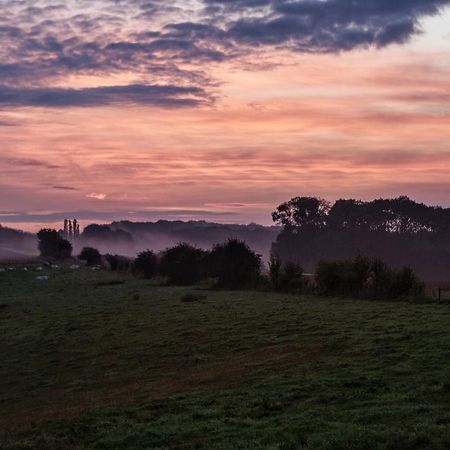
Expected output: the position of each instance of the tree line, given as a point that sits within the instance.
(398, 231)
(233, 265)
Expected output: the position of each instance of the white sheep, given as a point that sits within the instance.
(44, 278)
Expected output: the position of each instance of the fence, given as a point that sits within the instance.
(441, 294)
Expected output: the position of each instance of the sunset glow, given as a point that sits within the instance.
(133, 110)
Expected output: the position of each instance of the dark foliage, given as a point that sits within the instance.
(183, 264)
(145, 265)
(364, 277)
(275, 271)
(398, 231)
(91, 255)
(302, 212)
(234, 265)
(291, 278)
(105, 233)
(118, 263)
(287, 277)
(52, 245)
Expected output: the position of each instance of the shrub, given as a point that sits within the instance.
(183, 264)
(91, 256)
(405, 281)
(274, 271)
(366, 277)
(118, 263)
(234, 265)
(286, 277)
(145, 265)
(52, 245)
(291, 278)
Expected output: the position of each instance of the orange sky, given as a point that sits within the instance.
(367, 123)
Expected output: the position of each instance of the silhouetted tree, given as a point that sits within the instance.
(52, 245)
(118, 263)
(91, 255)
(183, 264)
(291, 277)
(234, 265)
(274, 271)
(398, 231)
(76, 229)
(348, 215)
(66, 229)
(145, 265)
(302, 212)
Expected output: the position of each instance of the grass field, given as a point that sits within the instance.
(89, 362)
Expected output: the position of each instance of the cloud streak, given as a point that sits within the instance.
(108, 216)
(161, 96)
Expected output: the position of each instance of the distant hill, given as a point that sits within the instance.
(16, 245)
(128, 238)
(162, 234)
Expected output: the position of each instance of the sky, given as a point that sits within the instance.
(218, 109)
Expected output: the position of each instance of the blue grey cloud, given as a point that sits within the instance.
(325, 26)
(173, 43)
(162, 96)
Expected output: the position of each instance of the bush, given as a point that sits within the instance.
(286, 277)
(145, 265)
(118, 263)
(91, 256)
(291, 278)
(274, 271)
(234, 265)
(405, 280)
(183, 264)
(366, 277)
(52, 245)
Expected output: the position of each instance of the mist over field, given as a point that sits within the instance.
(400, 232)
(129, 238)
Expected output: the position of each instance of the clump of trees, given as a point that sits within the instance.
(183, 264)
(234, 265)
(231, 265)
(364, 277)
(91, 256)
(145, 265)
(51, 245)
(286, 277)
(118, 263)
(399, 231)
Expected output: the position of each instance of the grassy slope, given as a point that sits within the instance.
(130, 366)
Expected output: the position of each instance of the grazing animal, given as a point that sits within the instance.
(44, 278)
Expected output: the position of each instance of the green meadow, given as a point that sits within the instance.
(94, 360)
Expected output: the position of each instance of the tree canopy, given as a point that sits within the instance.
(399, 231)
